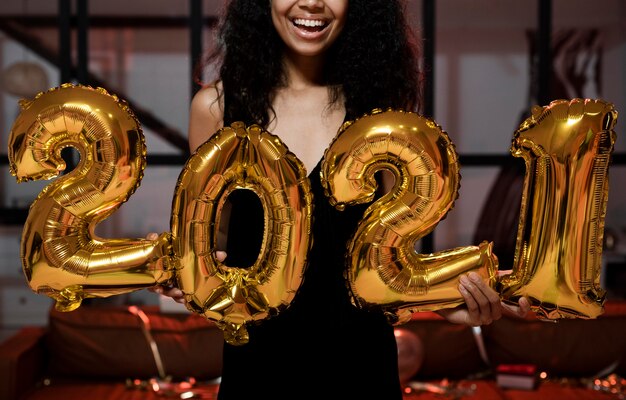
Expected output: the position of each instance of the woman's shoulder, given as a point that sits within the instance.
(209, 99)
(206, 115)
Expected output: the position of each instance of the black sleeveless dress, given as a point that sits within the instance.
(321, 346)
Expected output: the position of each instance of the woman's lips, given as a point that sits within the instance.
(309, 28)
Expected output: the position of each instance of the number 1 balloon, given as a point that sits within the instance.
(566, 147)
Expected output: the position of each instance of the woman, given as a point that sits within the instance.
(300, 68)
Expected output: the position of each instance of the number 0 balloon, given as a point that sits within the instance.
(240, 158)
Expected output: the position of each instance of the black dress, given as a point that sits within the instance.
(321, 346)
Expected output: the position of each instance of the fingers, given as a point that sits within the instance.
(220, 255)
(471, 304)
(170, 291)
(524, 306)
(152, 236)
(504, 272)
(483, 303)
(520, 310)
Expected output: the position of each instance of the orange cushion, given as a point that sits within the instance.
(450, 350)
(566, 347)
(108, 342)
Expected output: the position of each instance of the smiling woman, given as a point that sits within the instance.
(301, 69)
(309, 77)
(309, 27)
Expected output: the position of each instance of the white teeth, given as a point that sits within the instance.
(309, 22)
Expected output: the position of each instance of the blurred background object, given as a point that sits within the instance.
(24, 79)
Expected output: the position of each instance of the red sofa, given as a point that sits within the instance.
(102, 353)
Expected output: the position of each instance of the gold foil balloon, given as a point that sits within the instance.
(384, 270)
(241, 158)
(566, 147)
(61, 255)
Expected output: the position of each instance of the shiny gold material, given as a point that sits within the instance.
(61, 255)
(241, 158)
(384, 270)
(566, 147)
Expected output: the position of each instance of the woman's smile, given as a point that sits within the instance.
(309, 28)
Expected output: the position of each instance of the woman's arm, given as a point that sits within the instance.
(206, 115)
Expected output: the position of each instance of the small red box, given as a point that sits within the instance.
(517, 376)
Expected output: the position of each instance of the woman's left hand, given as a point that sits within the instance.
(482, 304)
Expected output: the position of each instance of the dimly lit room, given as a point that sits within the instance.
(312, 199)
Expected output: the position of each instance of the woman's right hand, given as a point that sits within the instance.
(172, 291)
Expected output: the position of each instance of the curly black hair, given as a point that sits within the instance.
(373, 63)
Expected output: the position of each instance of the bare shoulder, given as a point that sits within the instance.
(207, 99)
(206, 115)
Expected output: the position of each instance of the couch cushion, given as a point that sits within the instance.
(566, 347)
(450, 350)
(108, 342)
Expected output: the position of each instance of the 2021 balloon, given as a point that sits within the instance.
(61, 255)
(566, 146)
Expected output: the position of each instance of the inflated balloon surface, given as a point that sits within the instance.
(241, 158)
(61, 255)
(566, 147)
(384, 269)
